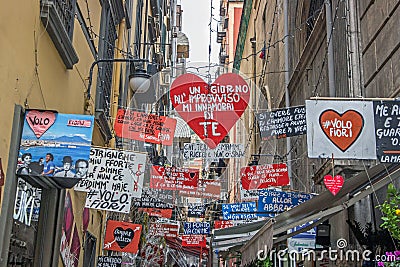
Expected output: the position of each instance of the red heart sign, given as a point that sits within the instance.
(210, 110)
(334, 184)
(342, 129)
(40, 121)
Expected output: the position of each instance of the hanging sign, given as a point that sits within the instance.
(164, 229)
(282, 123)
(387, 133)
(196, 228)
(223, 151)
(333, 184)
(122, 236)
(210, 110)
(264, 176)
(207, 188)
(109, 261)
(196, 211)
(161, 213)
(273, 201)
(239, 211)
(344, 129)
(150, 128)
(194, 241)
(51, 145)
(223, 224)
(153, 198)
(173, 178)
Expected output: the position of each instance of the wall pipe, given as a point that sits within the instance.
(331, 65)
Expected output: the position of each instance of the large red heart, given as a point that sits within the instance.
(210, 110)
(40, 121)
(334, 184)
(342, 129)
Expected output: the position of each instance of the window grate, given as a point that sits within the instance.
(66, 10)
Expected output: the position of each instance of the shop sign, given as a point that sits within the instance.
(150, 128)
(122, 236)
(194, 241)
(173, 178)
(222, 151)
(239, 211)
(211, 110)
(196, 228)
(109, 261)
(264, 176)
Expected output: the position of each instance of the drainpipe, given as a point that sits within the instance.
(287, 80)
(329, 37)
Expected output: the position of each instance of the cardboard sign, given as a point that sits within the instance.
(194, 241)
(196, 211)
(264, 176)
(162, 213)
(210, 189)
(344, 129)
(210, 110)
(153, 198)
(387, 135)
(223, 224)
(164, 229)
(196, 228)
(172, 178)
(273, 201)
(140, 126)
(223, 151)
(51, 145)
(122, 236)
(109, 261)
(239, 211)
(282, 123)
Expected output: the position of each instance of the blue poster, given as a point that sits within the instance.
(239, 211)
(55, 145)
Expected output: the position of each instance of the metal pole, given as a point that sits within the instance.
(173, 38)
(6, 217)
(331, 65)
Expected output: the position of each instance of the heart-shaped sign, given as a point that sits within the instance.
(210, 110)
(40, 121)
(123, 237)
(341, 129)
(334, 184)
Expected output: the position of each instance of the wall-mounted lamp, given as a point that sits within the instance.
(139, 81)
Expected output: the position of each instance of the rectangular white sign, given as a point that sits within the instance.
(342, 129)
(223, 150)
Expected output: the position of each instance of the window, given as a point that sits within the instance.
(58, 18)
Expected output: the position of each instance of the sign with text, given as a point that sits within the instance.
(207, 188)
(210, 110)
(273, 201)
(140, 126)
(223, 224)
(282, 123)
(109, 261)
(164, 229)
(153, 198)
(173, 178)
(222, 151)
(196, 228)
(122, 236)
(162, 213)
(239, 211)
(387, 131)
(194, 241)
(344, 129)
(196, 211)
(264, 176)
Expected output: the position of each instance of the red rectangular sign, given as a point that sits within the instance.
(172, 178)
(164, 213)
(194, 241)
(210, 189)
(122, 236)
(264, 176)
(222, 224)
(163, 229)
(145, 127)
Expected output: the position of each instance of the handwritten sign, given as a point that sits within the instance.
(207, 188)
(210, 110)
(161, 213)
(274, 201)
(109, 261)
(164, 229)
(122, 236)
(387, 133)
(153, 198)
(196, 211)
(263, 176)
(194, 241)
(223, 151)
(27, 203)
(282, 123)
(239, 211)
(223, 224)
(196, 228)
(173, 178)
(144, 127)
